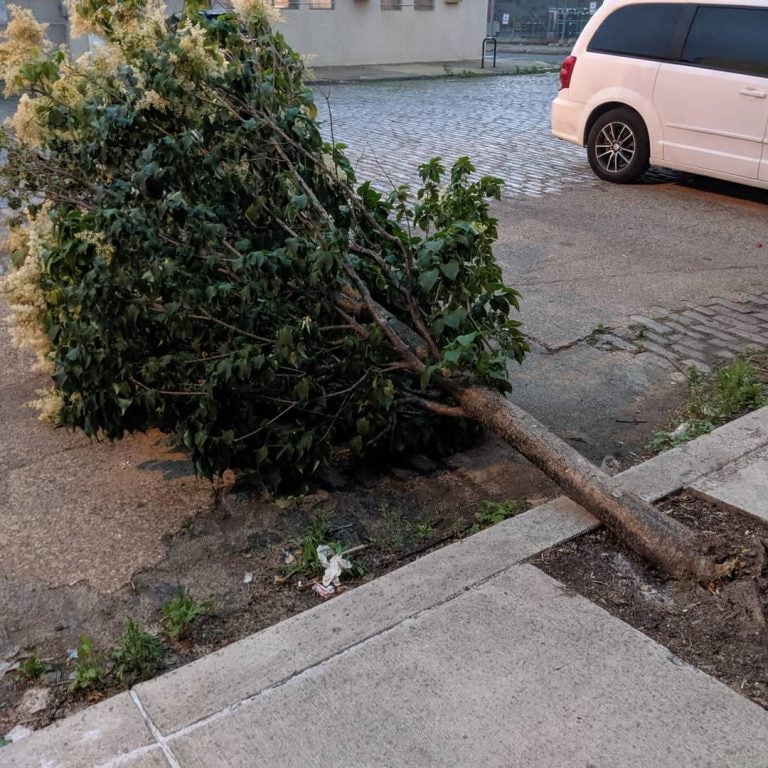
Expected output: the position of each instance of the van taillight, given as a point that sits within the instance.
(566, 70)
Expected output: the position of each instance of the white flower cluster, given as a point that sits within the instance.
(23, 42)
(246, 9)
(99, 242)
(22, 288)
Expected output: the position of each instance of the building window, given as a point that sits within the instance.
(321, 5)
(423, 5)
(289, 5)
(391, 5)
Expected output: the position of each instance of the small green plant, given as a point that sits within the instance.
(31, 668)
(597, 332)
(732, 390)
(493, 512)
(306, 562)
(395, 527)
(4, 742)
(139, 655)
(88, 672)
(182, 612)
(317, 533)
(423, 530)
(459, 527)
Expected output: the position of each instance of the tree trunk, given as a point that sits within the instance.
(650, 533)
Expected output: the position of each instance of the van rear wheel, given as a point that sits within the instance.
(618, 147)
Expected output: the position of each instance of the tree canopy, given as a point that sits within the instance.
(191, 254)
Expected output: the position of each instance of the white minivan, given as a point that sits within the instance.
(681, 85)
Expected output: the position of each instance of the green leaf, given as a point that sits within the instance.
(451, 269)
(428, 279)
(452, 356)
(426, 375)
(300, 201)
(301, 390)
(456, 318)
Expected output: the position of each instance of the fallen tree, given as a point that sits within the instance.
(191, 255)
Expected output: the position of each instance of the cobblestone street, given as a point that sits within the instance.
(696, 335)
(501, 123)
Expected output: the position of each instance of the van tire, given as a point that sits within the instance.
(617, 146)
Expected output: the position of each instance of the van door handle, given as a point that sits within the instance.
(753, 92)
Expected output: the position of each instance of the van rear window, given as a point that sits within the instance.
(732, 39)
(647, 30)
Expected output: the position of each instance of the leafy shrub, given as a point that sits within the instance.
(190, 255)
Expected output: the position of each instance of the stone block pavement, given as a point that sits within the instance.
(466, 657)
(696, 335)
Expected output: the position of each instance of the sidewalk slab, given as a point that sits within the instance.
(742, 484)
(684, 466)
(100, 734)
(521, 63)
(517, 672)
(275, 654)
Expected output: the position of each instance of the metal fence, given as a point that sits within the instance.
(532, 22)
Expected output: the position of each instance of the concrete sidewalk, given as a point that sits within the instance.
(506, 64)
(466, 657)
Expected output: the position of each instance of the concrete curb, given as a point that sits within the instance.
(458, 70)
(683, 466)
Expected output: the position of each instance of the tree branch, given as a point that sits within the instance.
(452, 411)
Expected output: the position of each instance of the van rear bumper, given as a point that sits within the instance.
(567, 119)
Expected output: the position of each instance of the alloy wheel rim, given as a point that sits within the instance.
(615, 147)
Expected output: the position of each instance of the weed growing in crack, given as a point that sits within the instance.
(599, 330)
(31, 668)
(88, 672)
(138, 656)
(493, 512)
(490, 513)
(424, 530)
(735, 389)
(182, 612)
(396, 527)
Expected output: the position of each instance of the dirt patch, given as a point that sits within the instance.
(724, 634)
(236, 555)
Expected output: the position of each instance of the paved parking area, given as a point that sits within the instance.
(501, 123)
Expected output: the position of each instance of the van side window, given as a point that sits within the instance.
(732, 39)
(646, 30)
